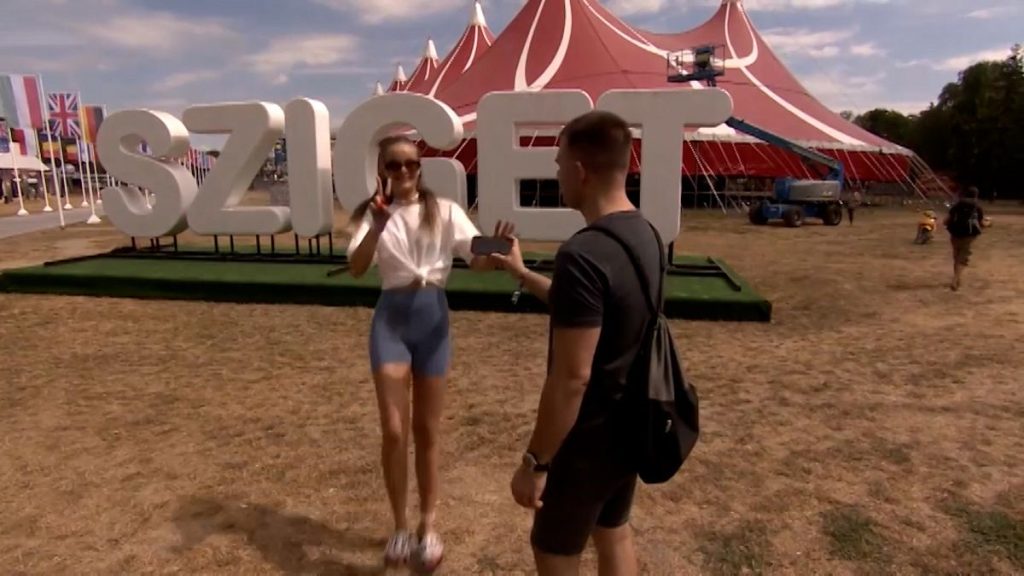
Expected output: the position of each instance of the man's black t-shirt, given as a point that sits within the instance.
(595, 284)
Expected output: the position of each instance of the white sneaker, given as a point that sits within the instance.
(429, 552)
(399, 548)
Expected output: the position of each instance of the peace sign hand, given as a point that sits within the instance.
(379, 204)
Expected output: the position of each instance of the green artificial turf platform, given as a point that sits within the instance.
(697, 287)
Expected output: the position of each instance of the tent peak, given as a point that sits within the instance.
(430, 51)
(400, 74)
(378, 89)
(478, 15)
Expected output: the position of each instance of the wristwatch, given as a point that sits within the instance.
(529, 459)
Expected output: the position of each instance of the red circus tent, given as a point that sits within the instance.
(425, 73)
(579, 44)
(476, 39)
(432, 76)
(399, 82)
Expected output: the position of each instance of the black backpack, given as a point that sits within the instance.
(662, 412)
(963, 220)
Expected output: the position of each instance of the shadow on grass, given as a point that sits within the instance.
(745, 549)
(987, 531)
(281, 538)
(853, 535)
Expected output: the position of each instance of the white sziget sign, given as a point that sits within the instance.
(254, 127)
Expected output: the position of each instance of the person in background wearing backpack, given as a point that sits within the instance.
(964, 224)
(577, 473)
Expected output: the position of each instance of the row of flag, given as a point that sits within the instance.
(52, 127)
(57, 127)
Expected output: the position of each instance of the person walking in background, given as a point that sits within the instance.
(577, 473)
(964, 223)
(852, 203)
(412, 235)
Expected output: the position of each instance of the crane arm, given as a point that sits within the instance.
(766, 136)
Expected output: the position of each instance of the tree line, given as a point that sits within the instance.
(973, 134)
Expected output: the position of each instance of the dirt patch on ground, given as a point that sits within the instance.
(875, 426)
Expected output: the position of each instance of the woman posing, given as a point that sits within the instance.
(411, 235)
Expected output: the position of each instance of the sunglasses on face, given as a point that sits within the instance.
(395, 165)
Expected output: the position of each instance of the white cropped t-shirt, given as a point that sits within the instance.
(407, 252)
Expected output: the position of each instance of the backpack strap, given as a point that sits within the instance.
(655, 306)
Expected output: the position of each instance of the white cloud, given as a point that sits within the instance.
(175, 81)
(174, 106)
(97, 35)
(383, 11)
(156, 33)
(781, 5)
(906, 107)
(40, 64)
(343, 70)
(844, 91)
(860, 93)
(21, 37)
(957, 63)
(866, 49)
(635, 7)
(631, 7)
(993, 12)
(286, 53)
(816, 44)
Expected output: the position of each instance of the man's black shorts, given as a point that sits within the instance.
(590, 484)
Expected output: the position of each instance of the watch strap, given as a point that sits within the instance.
(537, 465)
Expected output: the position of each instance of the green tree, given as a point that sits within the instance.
(931, 139)
(889, 124)
(985, 115)
(974, 131)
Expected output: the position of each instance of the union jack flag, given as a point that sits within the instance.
(62, 108)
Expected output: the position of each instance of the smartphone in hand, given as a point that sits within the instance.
(486, 245)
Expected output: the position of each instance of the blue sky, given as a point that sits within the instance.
(164, 54)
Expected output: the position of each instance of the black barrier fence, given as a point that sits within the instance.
(320, 247)
(317, 253)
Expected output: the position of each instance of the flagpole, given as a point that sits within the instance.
(81, 172)
(90, 162)
(14, 163)
(110, 181)
(93, 218)
(49, 140)
(64, 174)
(95, 173)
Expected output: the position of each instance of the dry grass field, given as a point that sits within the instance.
(876, 426)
